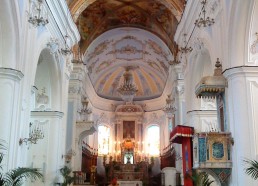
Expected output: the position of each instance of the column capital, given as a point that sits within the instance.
(75, 88)
(10, 73)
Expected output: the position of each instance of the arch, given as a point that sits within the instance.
(82, 134)
(253, 36)
(200, 65)
(214, 177)
(238, 32)
(8, 36)
(48, 81)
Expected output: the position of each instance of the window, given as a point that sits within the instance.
(153, 141)
(103, 140)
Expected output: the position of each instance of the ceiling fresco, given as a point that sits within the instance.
(109, 54)
(152, 15)
(78, 6)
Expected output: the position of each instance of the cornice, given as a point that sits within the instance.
(241, 71)
(10, 73)
(203, 112)
(47, 114)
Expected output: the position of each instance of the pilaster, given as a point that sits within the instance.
(179, 94)
(9, 99)
(47, 153)
(74, 106)
(242, 104)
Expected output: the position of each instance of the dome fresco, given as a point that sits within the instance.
(107, 57)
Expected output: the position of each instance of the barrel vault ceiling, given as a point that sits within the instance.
(120, 33)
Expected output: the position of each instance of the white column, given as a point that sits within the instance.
(74, 101)
(73, 140)
(180, 115)
(9, 101)
(242, 102)
(179, 95)
(170, 176)
(47, 153)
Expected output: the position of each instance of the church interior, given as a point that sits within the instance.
(130, 92)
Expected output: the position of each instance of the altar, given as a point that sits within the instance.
(129, 183)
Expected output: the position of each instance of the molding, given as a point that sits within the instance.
(63, 21)
(191, 13)
(84, 125)
(241, 71)
(47, 114)
(202, 112)
(10, 73)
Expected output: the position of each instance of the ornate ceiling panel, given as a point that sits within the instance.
(78, 6)
(157, 16)
(109, 54)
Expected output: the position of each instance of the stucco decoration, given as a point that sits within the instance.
(107, 56)
(155, 118)
(214, 8)
(102, 119)
(42, 98)
(210, 125)
(254, 46)
(208, 104)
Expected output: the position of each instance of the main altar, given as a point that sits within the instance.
(128, 164)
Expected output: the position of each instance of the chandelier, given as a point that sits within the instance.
(34, 135)
(85, 104)
(169, 109)
(176, 60)
(128, 89)
(185, 49)
(37, 13)
(204, 21)
(66, 50)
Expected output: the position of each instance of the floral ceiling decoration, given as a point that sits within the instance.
(158, 17)
(107, 56)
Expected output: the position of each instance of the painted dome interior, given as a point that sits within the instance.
(120, 33)
(107, 57)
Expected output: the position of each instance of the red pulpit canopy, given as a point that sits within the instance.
(180, 132)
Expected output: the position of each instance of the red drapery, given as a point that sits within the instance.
(183, 135)
(180, 132)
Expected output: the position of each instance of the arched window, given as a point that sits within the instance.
(103, 140)
(153, 140)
